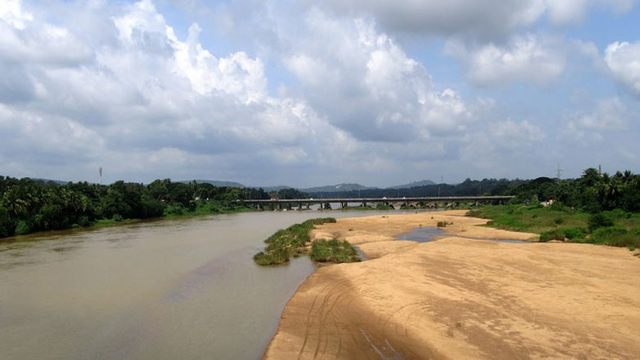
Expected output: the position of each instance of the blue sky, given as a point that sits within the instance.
(306, 93)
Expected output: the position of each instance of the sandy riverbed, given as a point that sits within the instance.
(457, 298)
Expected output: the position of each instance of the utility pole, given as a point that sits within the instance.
(100, 171)
(558, 172)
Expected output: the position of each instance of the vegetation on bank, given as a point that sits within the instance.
(28, 205)
(378, 206)
(294, 240)
(323, 250)
(559, 222)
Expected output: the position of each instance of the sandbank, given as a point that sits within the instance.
(457, 298)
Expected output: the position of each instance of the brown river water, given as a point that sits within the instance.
(169, 289)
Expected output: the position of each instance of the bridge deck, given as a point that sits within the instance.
(376, 200)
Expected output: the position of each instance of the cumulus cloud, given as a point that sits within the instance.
(623, 61)
(470, 17)
(525, 58)
(609, 114)
(139, 94)
(367, 85)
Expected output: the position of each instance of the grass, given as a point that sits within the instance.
(333, 251)
(113, 222)
(289, 242)
(557, 222)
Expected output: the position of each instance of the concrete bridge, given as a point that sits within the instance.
(301, 204)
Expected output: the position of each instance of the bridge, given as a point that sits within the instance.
(433, 201)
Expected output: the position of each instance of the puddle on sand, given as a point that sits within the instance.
(360, 253)
(428, 234)
(421, 235)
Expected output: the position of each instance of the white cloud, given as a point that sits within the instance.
(367, 85)
(11, 12)
(623, 61)
(609, 114)
(528, 57)
(144, 94)
(472, 17)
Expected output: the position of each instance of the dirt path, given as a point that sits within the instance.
(458, 298)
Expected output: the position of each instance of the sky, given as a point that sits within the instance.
(308, 93)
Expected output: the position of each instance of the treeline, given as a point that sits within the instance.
(592, 192)
(466, 188)
(28, 205)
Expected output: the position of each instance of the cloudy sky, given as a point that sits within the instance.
(315, 92)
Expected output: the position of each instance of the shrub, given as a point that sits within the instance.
(276, 257)
(575, 233)
(23, 228)
(597, 221)
(84, 221)
(333, 251)
(117, 217)
(291, 241)
(175, 209)
(558, 221)
(616, 236)
(557, 234)
(442, 224)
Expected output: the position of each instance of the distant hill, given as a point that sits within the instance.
(274, 188)
(215, 183)
(59, 182)
(413, 184)
(337, 188)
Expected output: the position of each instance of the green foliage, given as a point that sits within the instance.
(383, 206)
(616, 236)
(599, 220)
(23, 228)
(333, 251)
(32, 205)
(442, 224)
(276, 257)
(291, 241)
(175, 209)
(601, 227)
(575, 233)
(557, 234)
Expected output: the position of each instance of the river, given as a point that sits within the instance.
(170, 289)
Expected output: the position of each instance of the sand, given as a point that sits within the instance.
(457, 298)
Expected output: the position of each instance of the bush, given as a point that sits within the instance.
(442, 224)
(23, 228)
(597, 221)
(276, 257)
(84, 221)
(333, 251)
(291, 241)
(558, 221)
(175, 209)
(557, 234)
(117, 217)
(575, 233)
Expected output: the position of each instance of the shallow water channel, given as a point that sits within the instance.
(170, 289)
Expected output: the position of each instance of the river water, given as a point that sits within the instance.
(170, 289)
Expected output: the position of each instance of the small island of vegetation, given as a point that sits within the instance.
(294, 241)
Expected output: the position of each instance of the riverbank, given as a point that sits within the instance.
(461, 298)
